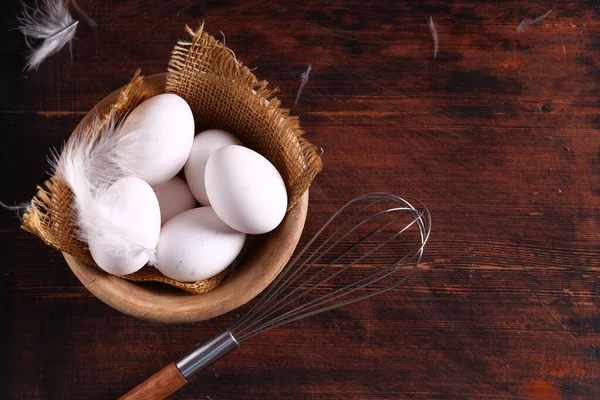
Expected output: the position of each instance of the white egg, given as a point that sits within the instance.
(205, 143)
(162, 133)
(196, 245)
(245, 190)
(174, 197)
(132, 210)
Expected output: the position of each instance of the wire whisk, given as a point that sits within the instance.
(371, 245)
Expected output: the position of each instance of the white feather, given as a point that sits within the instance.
(303, 82)
(434, 35)
(89, 164)
(52, 24)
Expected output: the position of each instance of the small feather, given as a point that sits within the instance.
(434, 35)
(20, 209)
(52, 24)
(528, 22)
(303, 82)
(89, 164)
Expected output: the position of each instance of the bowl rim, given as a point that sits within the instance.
(259, 267)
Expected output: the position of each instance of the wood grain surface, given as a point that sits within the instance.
(498, 135)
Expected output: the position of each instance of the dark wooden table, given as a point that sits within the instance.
(498, 135)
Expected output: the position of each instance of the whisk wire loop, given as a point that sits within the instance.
(275, 306)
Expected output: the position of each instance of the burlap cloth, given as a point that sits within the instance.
(223, 94)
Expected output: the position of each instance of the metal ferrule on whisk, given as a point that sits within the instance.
(206, 354)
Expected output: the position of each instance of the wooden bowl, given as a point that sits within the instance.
(161, 303)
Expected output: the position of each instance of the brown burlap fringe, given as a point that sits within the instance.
(223, 94)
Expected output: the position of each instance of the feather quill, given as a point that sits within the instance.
(89, 164)
(52, 24)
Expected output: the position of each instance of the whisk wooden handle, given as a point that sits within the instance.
(175, 375)
(163, 383)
